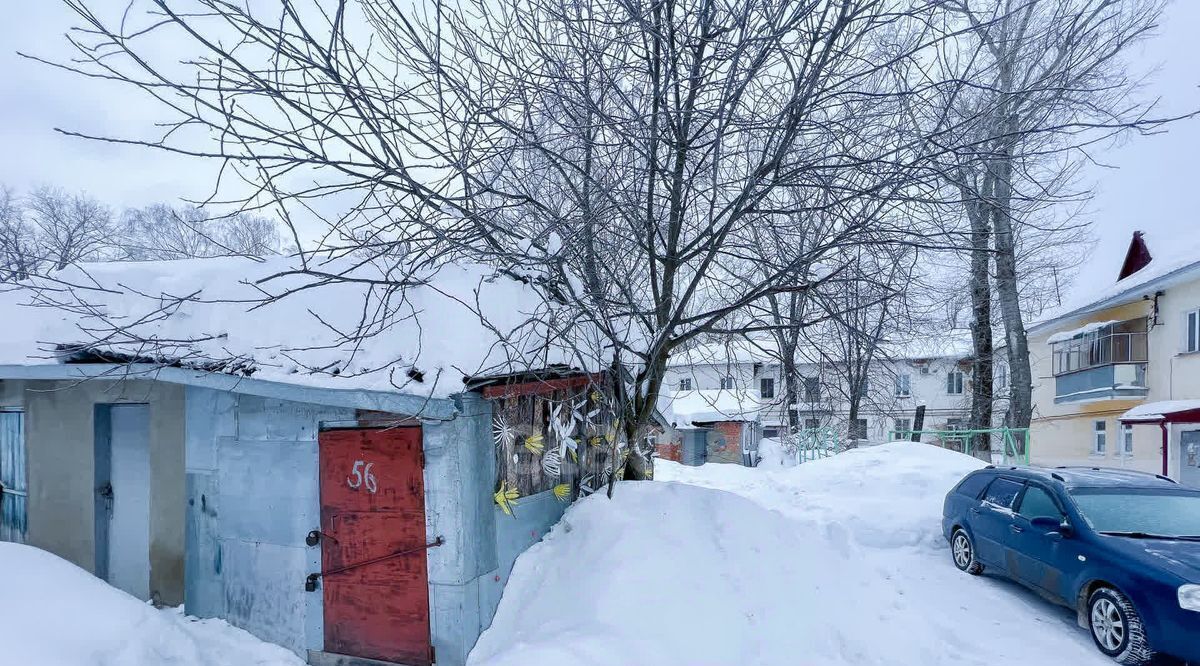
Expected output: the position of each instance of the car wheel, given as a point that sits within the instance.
(1117, 628)
(963, 551)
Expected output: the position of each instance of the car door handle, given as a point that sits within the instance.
(1016, 529)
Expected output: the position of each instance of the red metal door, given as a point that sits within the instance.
(373, 505)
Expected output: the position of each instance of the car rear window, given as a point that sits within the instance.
(974, 484)
(1003, 492)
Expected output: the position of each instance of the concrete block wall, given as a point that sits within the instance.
(252, 498)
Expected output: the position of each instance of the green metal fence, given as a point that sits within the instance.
(814, 443)
(1013, 444)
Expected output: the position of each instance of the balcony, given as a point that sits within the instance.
(1105, 361)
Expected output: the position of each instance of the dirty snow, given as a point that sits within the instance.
(455, 321)
(52, 613)
(839, 561)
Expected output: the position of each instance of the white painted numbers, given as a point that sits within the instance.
(361, 476)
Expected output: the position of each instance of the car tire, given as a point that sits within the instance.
(962, 552)
(1117, 628)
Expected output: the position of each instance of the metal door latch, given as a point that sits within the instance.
(310, 583)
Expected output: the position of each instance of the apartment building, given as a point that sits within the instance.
(1117, 370)
(931, 373)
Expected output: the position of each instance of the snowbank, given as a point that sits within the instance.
(53, 613)
(834, 562)
(242, 316)
(1063, 336)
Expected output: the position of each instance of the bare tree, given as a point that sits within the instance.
(1049, 83)
(70, 227)
(18, 244)
(161, 231)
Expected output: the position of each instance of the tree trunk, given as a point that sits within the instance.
(981, 326)
(1020, 403)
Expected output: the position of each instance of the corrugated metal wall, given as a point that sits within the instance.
(12, 477)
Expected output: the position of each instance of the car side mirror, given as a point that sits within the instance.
(1052, 525)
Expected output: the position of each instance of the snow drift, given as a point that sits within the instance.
(56, 614)
(837, 561)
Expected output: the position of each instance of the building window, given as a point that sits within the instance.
(903, 386)
(1193, 332)
(858, 429)
(955, 424)
(727, 382)
(1126, 440)
(1100, 438)
(903, 429)
(863, 388)
(1001, 375)
(812, 389)
(793, 417)
(954, 382)
(770, 432)
(685, 384)
(812, 424)
(766, 387)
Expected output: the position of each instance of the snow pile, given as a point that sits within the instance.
(772, 454)
(835, 562)
(53, 613)
(241, 316)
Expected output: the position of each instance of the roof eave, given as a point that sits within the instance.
(380, 401)
(1125, 297)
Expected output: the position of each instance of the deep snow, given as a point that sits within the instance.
(837, 561)
(52, 613)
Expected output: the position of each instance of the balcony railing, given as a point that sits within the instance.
(1100, 349)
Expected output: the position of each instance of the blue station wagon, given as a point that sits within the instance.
(1122, 548)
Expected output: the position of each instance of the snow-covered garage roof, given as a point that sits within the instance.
(686, 409)
(245, 317)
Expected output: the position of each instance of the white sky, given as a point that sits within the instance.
(1151, 188)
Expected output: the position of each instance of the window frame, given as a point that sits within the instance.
(903, 385)
(983, 497)
(1191, 333)
(812, 389)
(896, 429)
(763, 384)
(727, 383)
(685, 384)
(865, 431)
(1099, 437)
(1126, 449)
(956, 379)
(1020, 501)
(812, 424)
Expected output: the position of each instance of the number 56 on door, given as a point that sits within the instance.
(361, 476)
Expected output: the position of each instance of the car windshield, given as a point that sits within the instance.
(1140, 511)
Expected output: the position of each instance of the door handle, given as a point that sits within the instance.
(1016, 529)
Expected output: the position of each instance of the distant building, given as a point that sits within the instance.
(1132, 343)
(745, 377)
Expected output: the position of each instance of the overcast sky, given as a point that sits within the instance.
(1151, 188)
